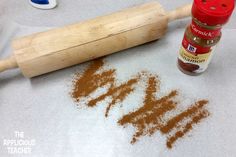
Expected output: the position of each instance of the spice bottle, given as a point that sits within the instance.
(202, 35)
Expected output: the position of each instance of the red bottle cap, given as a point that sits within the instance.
(213, 12)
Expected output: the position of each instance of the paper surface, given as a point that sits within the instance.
(43, 110)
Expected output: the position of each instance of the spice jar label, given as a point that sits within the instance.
(203, 32)
(194, 58)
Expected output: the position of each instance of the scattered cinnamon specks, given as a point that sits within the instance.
(149, 118)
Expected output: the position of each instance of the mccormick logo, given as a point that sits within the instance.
(191, 48)
(202, 33)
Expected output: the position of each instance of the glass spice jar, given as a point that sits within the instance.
(202, 35)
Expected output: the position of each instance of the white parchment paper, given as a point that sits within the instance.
(42, 109)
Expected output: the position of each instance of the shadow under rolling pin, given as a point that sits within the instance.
(59, 48)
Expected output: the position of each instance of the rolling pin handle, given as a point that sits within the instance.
(8, 63)
(181, 12)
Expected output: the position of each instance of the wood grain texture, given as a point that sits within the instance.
(180, 12)
(59, 48)
(8, 63)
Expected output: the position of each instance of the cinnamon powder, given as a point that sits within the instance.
(118, 94)
(188, 127)
(90, 81)
(147, 119)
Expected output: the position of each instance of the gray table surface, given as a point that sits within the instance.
(42, 109)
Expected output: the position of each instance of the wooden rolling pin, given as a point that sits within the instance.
(59, 48)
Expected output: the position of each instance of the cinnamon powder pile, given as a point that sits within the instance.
(90, 81)
(147, 119)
